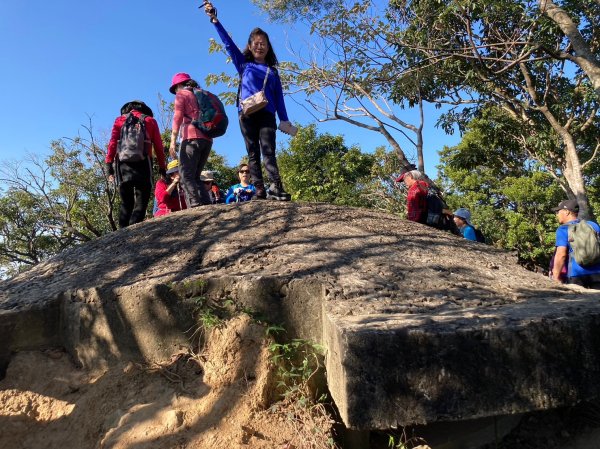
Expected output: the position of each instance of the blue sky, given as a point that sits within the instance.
(63, 61)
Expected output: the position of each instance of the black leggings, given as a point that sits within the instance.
(258, 130)
(134, 201)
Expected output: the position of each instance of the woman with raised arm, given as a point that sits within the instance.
(256, 65)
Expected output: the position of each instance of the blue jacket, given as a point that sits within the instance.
(253, 76)
(244, 193)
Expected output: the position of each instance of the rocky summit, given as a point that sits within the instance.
(419, 326)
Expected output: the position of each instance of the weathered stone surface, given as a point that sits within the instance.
(420, 326)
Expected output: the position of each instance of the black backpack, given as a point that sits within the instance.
(479, 237)
(132, 141)
(435, 209)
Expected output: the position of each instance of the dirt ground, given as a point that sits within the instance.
(221, 398)
(217, 399)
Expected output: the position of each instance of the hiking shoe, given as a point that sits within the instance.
(276, 192)
(260, 194)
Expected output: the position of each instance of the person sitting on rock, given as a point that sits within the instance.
(168, 192)
(462, 218)
(244, 191)
(416, 198)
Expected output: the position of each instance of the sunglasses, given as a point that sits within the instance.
(244, 171)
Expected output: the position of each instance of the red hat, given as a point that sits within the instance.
(404, 171)
(178, 78)
(401, 177)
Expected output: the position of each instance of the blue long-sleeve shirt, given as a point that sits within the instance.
(253, 77)
(468, 232)
(245, 193)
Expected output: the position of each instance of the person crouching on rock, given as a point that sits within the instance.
(169, 193)
(244, 191)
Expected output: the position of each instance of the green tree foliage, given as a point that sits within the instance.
(24, 240)
(510, 195)
(320, 167)
(379, 190)
(50, 204)
(539, 60)
(511, 54)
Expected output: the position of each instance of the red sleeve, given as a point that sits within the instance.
(114, 139)
(155, 138)
(160, 192)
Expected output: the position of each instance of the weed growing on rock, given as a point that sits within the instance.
(298, 363)
(403, 441)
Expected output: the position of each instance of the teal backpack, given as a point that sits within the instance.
(212, 119)
(585, 242)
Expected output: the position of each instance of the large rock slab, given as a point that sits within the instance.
(420, 326)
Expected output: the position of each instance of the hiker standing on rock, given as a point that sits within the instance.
(577, 242)
(195, 145)
(416, 198)
(260, 96)
(129, 159)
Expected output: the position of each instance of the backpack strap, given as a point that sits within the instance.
(239, 91)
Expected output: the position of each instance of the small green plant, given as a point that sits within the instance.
(208, 319)
(392, 444)
(296, 361)
(403, 441)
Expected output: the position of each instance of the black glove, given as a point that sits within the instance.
(110, 169)
(163, 173)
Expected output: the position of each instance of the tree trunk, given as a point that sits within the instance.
(584, 56)
(573, 172)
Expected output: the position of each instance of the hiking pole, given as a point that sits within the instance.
(179, 195)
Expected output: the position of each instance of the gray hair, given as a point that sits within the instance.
(415, 174)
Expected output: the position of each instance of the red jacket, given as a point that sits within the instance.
(152, 132)
(416, 202)
(168, 202)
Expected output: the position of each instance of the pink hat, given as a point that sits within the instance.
(178, 78)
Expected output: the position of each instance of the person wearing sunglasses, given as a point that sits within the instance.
(244, 191)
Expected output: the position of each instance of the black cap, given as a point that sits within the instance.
(570, 205)
(138, 105)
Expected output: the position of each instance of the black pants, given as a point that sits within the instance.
(135, 189)
(193, 155)
(587, 281)
(258, 130)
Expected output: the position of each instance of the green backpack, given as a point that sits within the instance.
(585, 242)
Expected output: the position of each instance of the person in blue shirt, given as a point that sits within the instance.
(244, 191)
(256, 65)
(589, 276)
(462, 219)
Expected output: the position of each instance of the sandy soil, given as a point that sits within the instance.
(217, 399)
